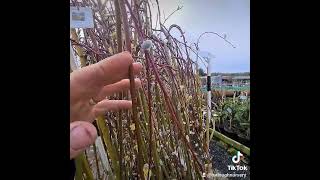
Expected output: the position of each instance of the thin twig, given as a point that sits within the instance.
(179, 8)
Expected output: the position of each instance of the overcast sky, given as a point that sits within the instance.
(230, 17)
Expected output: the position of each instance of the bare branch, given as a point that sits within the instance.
(179, 8)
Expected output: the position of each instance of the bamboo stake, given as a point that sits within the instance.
(232, 142)
(78, 49)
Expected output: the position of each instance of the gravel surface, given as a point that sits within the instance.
(221, 160)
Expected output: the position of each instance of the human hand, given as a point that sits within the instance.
(89, 87)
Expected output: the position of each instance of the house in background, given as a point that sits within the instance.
(227, 81)
(241, 81)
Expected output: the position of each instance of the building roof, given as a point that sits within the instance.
(230, 77)
(242, 77)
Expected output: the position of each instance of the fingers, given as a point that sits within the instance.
(82, 135)
(120, 86)
(110, 105)
(107, 71)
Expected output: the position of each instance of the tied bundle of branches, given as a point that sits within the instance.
(162, 137)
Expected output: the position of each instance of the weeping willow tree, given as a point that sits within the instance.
(162, 137)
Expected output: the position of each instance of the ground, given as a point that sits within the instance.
(221, 160)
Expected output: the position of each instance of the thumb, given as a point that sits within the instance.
(82, 135)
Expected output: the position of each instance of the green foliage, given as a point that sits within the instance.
(235, 112)
(201, 72)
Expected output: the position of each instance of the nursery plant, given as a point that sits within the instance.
(163, 136)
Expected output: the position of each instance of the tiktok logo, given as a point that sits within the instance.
(236, 158)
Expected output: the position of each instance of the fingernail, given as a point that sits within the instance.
(80, 137)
